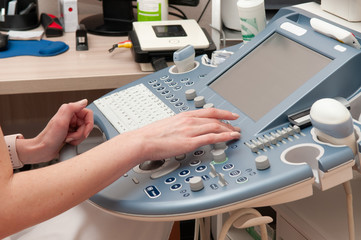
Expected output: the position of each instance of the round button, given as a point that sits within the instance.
(196, 183)
(262, 162)
(184, 173)
(170, 180)
(180, 157)
(176, 186)
(199, 101)
(190, 94)
(208, 105)
(219, 155)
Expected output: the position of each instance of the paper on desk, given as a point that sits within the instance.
(25, 35)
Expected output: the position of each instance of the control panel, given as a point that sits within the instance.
(269, 81)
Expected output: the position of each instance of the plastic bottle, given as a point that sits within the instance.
(152, 10)
(252, 14)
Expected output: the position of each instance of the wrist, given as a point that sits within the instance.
(31, 151)
(11, 142)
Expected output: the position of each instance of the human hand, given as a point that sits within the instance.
(71, 124)
(184, 132)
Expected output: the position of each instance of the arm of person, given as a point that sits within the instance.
(33, 196)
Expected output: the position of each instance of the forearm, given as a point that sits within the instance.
(34, 196)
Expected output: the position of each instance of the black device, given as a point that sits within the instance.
(3, 41)
(81, 38)
(116, 20)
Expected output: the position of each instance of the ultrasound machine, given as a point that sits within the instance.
(286, 146)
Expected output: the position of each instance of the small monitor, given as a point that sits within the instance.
(169, 31)
(268, 74)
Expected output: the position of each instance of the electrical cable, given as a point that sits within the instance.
(204, 9)
(184, 16)
(177, 15)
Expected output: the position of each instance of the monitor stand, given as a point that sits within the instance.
(116, 20)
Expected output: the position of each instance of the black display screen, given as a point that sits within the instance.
(169, 31)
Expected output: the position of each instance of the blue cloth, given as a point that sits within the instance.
(41, 48)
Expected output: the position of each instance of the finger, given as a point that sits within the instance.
(213, 138)
(211, 127)
(213, 113)
(76, 137)
(86, 118)
(66, 111)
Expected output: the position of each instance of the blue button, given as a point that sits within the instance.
(201, 168)
(170, 180)
(152, 191)
(174, 100)
(175, 187)
(214, 186)
(179, 104)
(173, 84)
(189, 83)
(228, 167)
(152, 81)
(235, 173)
(165, 92)
(160, 89)
(169, 96)
(157, 85)
(242, 180)
(177, 88)
(169, 80)
(183, 80)
(184, 173)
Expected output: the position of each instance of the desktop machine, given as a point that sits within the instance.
(271, 82)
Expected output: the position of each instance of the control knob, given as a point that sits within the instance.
(196, 183)
(190, 94)
(262, 162)
(219, 155)
(199, 101)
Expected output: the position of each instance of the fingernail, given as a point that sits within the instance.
(83, 102)
(68, 140)
(235, 134)
(235, 114)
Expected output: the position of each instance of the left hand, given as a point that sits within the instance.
(71, 124)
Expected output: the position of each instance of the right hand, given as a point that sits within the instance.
(185, 132)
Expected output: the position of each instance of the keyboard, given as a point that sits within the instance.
(132, 108)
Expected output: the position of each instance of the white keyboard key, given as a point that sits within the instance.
(132, 108)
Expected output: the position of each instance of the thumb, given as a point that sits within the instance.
(79, 104)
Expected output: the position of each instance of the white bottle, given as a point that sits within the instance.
(252, 14)
(152, 10)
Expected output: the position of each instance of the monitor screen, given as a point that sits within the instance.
(268, 74)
